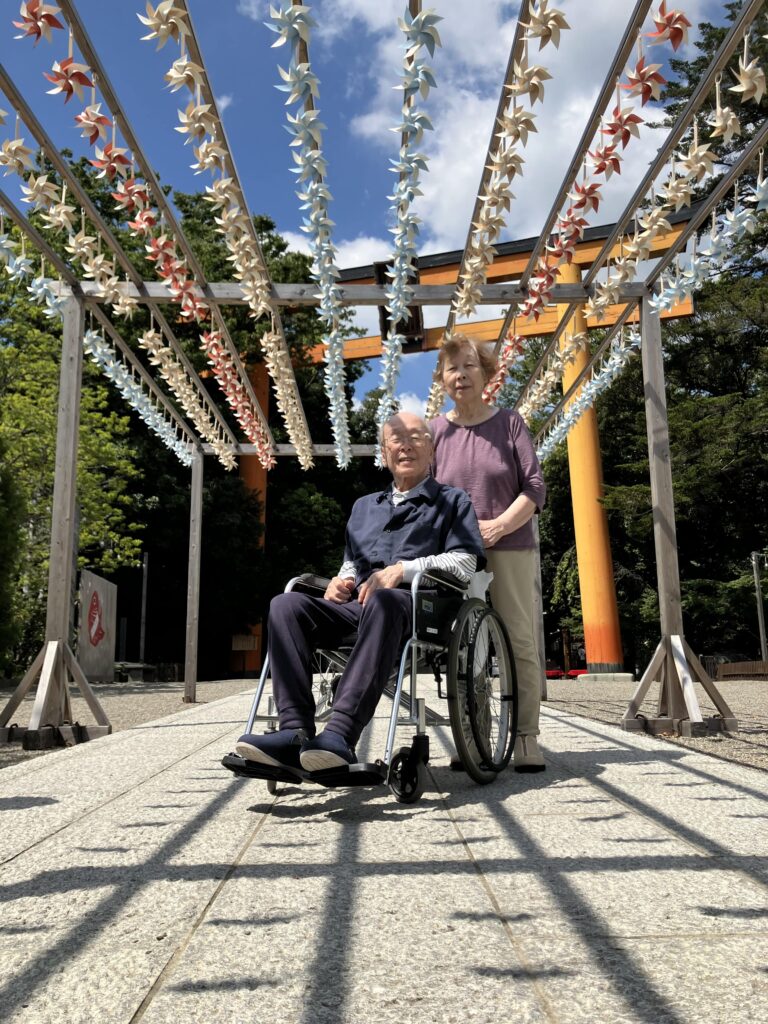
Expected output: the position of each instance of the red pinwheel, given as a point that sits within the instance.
(562, 248)
(160, 248)
(111, 161)
(131, 195)
(623, 126)
(571, 226)
(68, 78)
(645, 81)
(37, 20)
(673, 26)
(606, 159)
(586, 196)
(93, 123)
(145, 221)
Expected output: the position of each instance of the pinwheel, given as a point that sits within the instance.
(725, 123)
(571, 225)
(196, 122)
(125, 306)
(586, 196)
(697, 274)
(221, 193)
(68, 78)
(645, 81)
(300, 83)
(545, 25)
(40, 192)
(739, 222)
(7, 248)
(211, 156)
(81, 246)
(606, 159)
(672, 26)
(111, 162)
(92, 123)
(37, 20)
(699, 162)
(292, 23)
(143, 223)
(40, 289)
(623, 125)
(654, 220)
(418, 78)
(420, 30)
(131, 195)
(59, 216)
(760, 193)
(516, 125)
(3, 115)
(97, 265)
(164, 22)
(624, 268)
(677, 192)
(15, 157)
(718, 246)
(160, 248)
(751, 81)
(18, 267)
(529, 78)
(184, 73)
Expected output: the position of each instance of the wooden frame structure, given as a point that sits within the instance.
(55, 666)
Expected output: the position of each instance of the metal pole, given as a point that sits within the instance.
(193, 579)
(755, 556)
(143, 629)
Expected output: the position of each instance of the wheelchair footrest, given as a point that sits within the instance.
(347, 775)
(253, 770)
(365, 774)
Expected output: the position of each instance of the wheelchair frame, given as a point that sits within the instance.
(405, 770)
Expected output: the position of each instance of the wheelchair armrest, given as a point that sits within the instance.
(307, 582)
(439, 576)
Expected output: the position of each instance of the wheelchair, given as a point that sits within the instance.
(453, 635)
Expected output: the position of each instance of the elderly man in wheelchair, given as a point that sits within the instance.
(400, 596)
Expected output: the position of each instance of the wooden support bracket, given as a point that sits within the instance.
(674, 666)
(50, 724)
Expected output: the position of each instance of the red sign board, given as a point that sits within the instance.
(95, 629)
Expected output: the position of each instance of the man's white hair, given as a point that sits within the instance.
(394, 416)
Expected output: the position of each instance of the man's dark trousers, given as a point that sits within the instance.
(300, 623)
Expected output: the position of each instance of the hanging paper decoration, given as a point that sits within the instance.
(293, 25)
(420, 33)
(510, 352)
(68, 78)
(672, 26)
(545, 24)
(164, 22)
(132, 390)
(725, 122)
(37, 20)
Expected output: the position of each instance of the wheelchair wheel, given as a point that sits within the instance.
(407, 777)
(482, 691)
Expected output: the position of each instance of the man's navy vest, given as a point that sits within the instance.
(437, 519)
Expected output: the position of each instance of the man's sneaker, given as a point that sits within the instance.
(328, 750)
(527, 756)
(279, 749)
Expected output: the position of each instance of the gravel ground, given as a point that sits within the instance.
(125, 704)
(747, 699)
(130, 704)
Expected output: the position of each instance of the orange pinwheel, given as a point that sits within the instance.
(37, 20)
(673, 26)
(92, 123)
(111, 161)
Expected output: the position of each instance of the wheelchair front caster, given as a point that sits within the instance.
(271, 786)
(407, 776)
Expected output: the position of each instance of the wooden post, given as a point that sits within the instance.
(55, 663)
(672, 662)
(193, 579)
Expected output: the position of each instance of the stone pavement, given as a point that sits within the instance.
(141, 881)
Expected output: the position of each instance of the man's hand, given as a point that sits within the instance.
(383, 579)
(339, 590)
(491, 530)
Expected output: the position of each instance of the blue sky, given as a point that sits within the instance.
(356, 52)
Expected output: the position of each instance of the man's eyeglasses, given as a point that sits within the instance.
(406, 440)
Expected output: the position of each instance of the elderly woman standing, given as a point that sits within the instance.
(489, 453)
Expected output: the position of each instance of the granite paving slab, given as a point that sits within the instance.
(141, 881)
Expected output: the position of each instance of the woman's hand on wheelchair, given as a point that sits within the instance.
(339, 590)
(388, 578)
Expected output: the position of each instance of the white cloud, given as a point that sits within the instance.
(222, 102)
(256, 10)
(410, 402)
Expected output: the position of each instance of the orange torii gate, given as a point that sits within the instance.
(598, 593)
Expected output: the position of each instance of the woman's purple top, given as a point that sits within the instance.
(493, 462)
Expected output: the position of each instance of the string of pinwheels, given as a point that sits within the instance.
(421, 34)
(84, 245)
(200, 122)
(675, 192)
(293, 24)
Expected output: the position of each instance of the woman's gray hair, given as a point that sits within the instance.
(451, 346)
